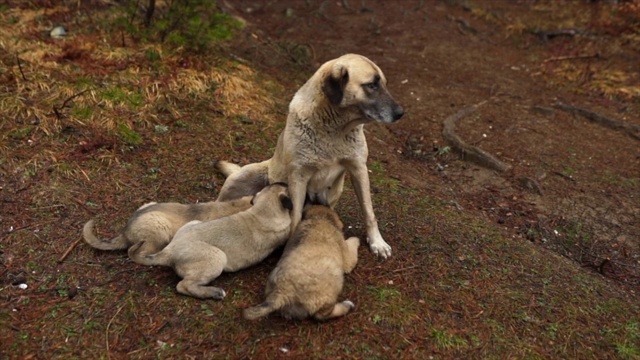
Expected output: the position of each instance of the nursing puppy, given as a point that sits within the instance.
(310, 275)
(323, 140)
(201, 251)
(156, 223)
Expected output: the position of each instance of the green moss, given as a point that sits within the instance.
(446, 341)
(120, 96)
(82, 112)
(129, 135)
(21, 133)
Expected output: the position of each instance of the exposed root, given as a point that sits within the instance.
(470, 152)
(632, 130)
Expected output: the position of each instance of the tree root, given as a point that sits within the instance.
(470, 152)
(632, 130)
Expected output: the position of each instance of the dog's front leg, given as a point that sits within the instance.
(360, 181)
(298, 182)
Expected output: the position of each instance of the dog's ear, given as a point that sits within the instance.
(286, 202)
(334, 84)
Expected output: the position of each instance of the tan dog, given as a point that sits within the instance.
(310, 275)
(323, 140)
(156, 223)
(201, 251)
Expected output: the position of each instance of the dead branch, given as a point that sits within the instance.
(632, 130)
(470, 152)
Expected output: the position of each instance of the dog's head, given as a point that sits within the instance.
(353, 81)
(322, 212)
(272, 192)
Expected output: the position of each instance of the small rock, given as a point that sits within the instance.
(58, 32)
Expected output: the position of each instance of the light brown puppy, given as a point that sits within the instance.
(323, 140)
(201, 251)
(310, 275)
(156, 223)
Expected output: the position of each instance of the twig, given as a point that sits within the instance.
(470, 152)
(405, 268)
(64, 104)
(20, 67)
(66, 253)
(573, 57)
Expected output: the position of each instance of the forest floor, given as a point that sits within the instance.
(525, 244)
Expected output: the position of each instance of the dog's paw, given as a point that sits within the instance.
(381, 249)
(218, 294)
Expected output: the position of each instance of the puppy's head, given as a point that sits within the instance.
(322, 212)
(277, 192)
(353, 81)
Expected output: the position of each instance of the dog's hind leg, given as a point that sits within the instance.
(334, 311)
(198, 265)
(350, 254)
(246, 181)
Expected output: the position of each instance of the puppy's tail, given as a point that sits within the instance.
(225, 167)
(138, 256)
(274, 302)
(117, 243)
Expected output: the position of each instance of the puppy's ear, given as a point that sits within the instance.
(334, 84)
(286, 202)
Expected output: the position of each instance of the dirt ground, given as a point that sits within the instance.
(572, 185)
(537, 259)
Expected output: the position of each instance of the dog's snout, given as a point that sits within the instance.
(398, 112)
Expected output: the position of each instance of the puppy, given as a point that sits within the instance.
(323, 140)
(310, 275)
(201, 251)
(156, 223)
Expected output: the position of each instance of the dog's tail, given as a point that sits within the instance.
(225, 167)
(159, 258)
(117, 243)
(274, 302)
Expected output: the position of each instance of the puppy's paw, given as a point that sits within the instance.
(349, 304)
(381, 249)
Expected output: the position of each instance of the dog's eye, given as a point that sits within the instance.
(372, 86)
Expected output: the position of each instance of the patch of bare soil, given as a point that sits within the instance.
(535, 256)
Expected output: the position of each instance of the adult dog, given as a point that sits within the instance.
(323, 140)
(156, 223)
(201, 251)
(310, 274)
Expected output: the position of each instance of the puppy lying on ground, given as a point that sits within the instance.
(323, 140)
(156, 223)
(310, 275)
(201, 251)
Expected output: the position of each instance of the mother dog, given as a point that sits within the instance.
(322, 140)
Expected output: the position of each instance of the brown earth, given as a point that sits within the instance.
(567, 174)
(539, 261)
